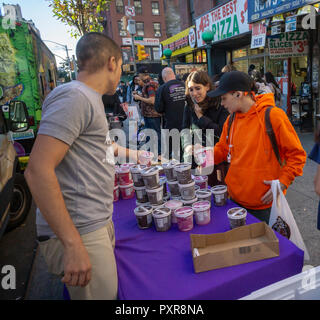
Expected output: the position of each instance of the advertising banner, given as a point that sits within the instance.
(226, 21)
(258, 10)
(289, 44)
(259, 32)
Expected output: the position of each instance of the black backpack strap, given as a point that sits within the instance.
(271, 135)
(231, 118)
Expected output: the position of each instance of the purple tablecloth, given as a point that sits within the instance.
(158, 265)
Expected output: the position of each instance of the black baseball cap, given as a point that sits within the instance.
(232, 81)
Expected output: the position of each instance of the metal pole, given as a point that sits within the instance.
(133, 54)
(75, 66)
(209, 60)
(69, 63)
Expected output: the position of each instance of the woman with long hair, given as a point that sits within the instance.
(201, 112)
(272, 83)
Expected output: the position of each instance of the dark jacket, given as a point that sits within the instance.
(170, 100)
(213, 118)
(112, 105)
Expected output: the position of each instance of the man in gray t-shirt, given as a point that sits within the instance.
(71, 174)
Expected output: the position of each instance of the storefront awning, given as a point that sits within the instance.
(181, 43)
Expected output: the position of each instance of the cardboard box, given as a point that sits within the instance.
(241, 245)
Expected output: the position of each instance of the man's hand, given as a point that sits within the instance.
(268, 197)
(77, 266)
(188, 150)
(136, 97)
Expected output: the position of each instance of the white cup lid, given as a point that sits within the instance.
(161, 212)
(201, 205)
(143, 210)
(174, 204)
(150, 171)
(155, 190)
(220, 189)
(200, 179)
(183, 212)
(203, 193)
(126, 186)
(182, 167)
(188, 185)
(237, 213)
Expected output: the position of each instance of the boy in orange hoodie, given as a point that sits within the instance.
(253, 163)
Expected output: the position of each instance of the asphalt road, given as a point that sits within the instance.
(19, 248)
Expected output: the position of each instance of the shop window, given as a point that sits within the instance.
(241, 65)
(239, 53)
(138, 6)
(140, 28)
(122, 32)
(189, 58)
(156, 53)
(157, 29)
(155, 8)
(204, 56)
(199, 56)
(119, 6)
(299, 72)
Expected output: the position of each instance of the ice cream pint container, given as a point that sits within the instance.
(202, 212)
(144, 216)
(162, 219)
(220, 195)
(173, 205)
(184, 218)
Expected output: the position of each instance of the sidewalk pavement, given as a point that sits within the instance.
(301, 197)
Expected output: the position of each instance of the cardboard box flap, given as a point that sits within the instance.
(198, 241)
(241, 245)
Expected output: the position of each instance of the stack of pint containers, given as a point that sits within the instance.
(116, 186)
(125, 181)
(138, 184)
(154, 188)
(184, 215)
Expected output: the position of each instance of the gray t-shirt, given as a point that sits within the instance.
(74, 114)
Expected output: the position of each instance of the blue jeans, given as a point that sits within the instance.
(155, 124)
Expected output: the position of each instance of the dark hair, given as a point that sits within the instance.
(94, 50)
(270, 79)
(160, 79)
(251, 68)
(256, 76)
(201, 77)
(185, 77)
(228, 68)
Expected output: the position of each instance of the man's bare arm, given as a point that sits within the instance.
(46, 154)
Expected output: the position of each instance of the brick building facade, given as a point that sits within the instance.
(150, 27)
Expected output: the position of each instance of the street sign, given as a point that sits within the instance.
(132, 27)
(138, 38)
(130, 11)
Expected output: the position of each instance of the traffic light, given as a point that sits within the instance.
(142, 55)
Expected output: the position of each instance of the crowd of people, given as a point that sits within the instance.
(73, 187)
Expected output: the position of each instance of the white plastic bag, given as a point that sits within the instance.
(282, 220)
(133, 113)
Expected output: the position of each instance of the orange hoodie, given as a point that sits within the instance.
(252, 157)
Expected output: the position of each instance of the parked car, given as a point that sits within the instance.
(15, 196)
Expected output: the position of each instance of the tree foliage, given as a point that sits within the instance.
(83, 15)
